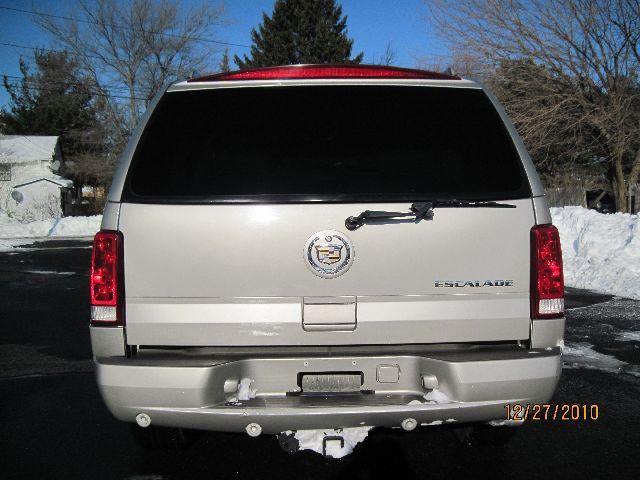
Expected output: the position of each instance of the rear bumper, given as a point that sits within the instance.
(201, 394)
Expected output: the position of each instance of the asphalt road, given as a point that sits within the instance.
(54, 424)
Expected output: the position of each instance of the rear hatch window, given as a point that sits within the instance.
(325, 143)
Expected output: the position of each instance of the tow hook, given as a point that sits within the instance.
(331, 438)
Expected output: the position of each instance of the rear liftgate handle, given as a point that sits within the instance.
(329, 314)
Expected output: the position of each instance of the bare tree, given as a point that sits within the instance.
(131, 49)
(566, 69)
(456, 63)
(388, 57)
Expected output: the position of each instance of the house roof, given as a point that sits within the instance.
(59, 181)
(26, 148)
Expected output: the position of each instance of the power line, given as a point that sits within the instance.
(98, 94)
(91, 93)
(28, 47)
(18, 82)
(16, 79)
(168, 34)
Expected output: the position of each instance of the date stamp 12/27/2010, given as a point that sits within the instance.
(562, 412)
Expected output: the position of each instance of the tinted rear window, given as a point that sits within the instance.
(330, 143)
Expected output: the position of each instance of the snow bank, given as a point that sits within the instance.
(55, 227)
(5, 245)
(600, 252)
(76, 226)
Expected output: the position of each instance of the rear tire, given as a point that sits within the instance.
(163, 438)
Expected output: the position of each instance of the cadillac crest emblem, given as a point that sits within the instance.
(328, 253)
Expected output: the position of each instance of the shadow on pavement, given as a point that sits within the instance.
(577, 298)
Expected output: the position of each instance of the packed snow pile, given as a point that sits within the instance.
(437, 396)
(5, 245)
(312, 440)
(245, 392)
(600, 252)
(11, 228)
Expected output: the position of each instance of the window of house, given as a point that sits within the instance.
(5, 173)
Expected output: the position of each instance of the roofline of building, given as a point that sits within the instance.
(41, 180)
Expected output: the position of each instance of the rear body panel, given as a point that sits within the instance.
(236, 275)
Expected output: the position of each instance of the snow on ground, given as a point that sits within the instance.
(312, 440)
(601, 252)
(13, 232)
(5, 245)
(582, 355)
(76, 226)
(628, 336)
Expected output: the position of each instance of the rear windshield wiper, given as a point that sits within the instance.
(453, 203)
(419, 211)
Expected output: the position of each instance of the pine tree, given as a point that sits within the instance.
(300, 31)
(224, 62)
(56, 99)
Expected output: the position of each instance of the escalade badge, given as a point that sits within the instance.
(328, 253)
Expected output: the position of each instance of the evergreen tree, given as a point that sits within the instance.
(300, 31)
(224, 62)
(57, 100)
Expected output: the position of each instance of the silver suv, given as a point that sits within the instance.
(313, 247)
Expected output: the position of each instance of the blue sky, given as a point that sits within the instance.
(371, 23)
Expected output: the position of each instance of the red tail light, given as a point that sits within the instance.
(547, 279)
(325, 71)
(107, 279)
